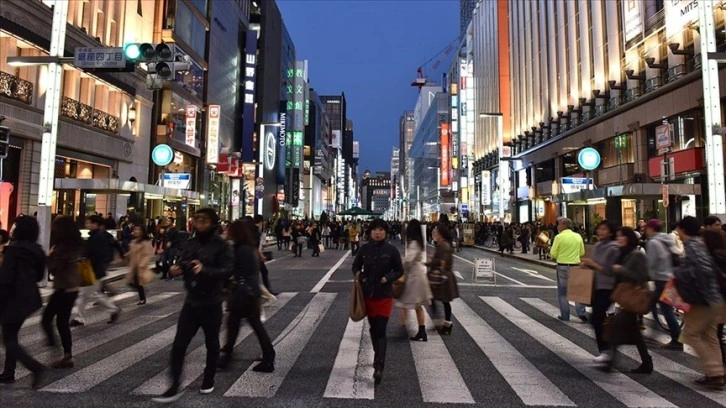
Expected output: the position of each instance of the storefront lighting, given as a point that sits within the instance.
(132, 113)
(594, 201)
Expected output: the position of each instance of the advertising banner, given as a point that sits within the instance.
(281, 144)
(632, 19)
(213, 134)
(250, 75)
(678, 14)
(191, 126)
(445, 155)
(486, 187)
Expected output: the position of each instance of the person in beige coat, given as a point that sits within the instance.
(138, 258)
(416, 290)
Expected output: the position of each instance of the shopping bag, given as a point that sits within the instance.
(85, 271)
(321, 248)
(356, 301)
(580, 285)
(671, 297)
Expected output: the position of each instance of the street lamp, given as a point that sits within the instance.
(261, 161)
(503, 164)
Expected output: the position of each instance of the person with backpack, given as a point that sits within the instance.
(100, 253)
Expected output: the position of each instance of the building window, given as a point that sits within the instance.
(688, 132)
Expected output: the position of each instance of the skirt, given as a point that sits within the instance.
(379, 307)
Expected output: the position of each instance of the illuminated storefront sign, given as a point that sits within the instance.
(213, 134)
(191, 125)
(633, 19)
(678, 14)
(250, 75)
(281, 144)
(445, 155)
(486, 186)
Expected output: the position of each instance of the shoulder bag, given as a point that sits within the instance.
(85, 271)
(356, 300)
(632, 297)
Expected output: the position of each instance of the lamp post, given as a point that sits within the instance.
(503, 163)
(261, 161)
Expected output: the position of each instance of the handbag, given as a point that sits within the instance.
(321, 248)
(620, 328)
(85, 271)
(240, 296)
(399, 286)
(632, 297)
(356, 300)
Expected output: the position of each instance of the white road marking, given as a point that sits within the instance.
(532, 387)
(620, 386)
(352, 374)
(277, 259)
(459, 275)
(289, 345)
(499, 274)
(431, 359)
(121, 296)
(499, 285)
(330, 273)
(532, 273)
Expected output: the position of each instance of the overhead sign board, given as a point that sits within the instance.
(575, 184)
(99, 57)
(181, 181)
(663, 137)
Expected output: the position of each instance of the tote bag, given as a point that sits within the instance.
(85, 271)
(356, 301)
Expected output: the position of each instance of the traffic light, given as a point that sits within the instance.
(4, 141)
(161, 61)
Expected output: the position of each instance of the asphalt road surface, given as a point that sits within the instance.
(507, 349)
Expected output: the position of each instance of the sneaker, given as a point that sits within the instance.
(65, 362)
(114, 316)
(171, 395)
(264, 367)
(673, 345)
(263, 317)
(604, 357)
(76, 323)
(207, 386)
(716, 382)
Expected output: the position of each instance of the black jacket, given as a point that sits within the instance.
(100, 251)
(246, 267)
(376, 260)
(23, 266)
(215, 254)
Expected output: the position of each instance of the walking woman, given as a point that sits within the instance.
(605, 254)
(314, 234)
(417, 291)
(441, 277)
(66, 247)
(23, 266)
(244, 299)
(630, 267)
(379, 264)
(139, 255)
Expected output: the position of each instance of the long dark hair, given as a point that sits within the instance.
(444, 232)
(26, 229)
(714, 242)
(242, 232)
(64, 232)
(413, 232)
(632, 244)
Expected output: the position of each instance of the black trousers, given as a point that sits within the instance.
(378, 338)
(209, 318)
(630, 322)
(139, 288)
(316, 248)
(14, 352)
(600, 304)
(447, 309)
(59, 307)
(354, 247)
(252, 314)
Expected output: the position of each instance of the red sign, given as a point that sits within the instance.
(445, 155)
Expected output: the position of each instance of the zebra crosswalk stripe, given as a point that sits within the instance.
(621, 387)
(532, 387)
(666, 367)
(289, 345)
(352, 373)
(196, 360)
(117, 298)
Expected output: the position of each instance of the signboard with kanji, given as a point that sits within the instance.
(99, 57)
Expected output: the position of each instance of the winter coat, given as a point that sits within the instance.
(23, 267)
(697, 273)
(635, 268)
(247, 267)
(416, 290)
(443, 261)
(63, 266)
(100, 251)
(205, 288)
(139, 256)
(659, 250)
(374, 260)
(605, 254)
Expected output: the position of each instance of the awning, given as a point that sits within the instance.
(636, 190)
(115, 186)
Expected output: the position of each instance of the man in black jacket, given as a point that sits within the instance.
(205, 261)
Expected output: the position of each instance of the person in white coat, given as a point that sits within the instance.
(416, 292)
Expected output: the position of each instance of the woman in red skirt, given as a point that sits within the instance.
(380, 265)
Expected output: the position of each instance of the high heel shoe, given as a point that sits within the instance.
(419, 337)
(446, 328)
(141, 302)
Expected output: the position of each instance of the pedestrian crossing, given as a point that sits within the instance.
(529, 358)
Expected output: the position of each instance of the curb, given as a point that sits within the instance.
(532, 261)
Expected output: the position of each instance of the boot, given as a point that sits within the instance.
(421, 335)
(379, 360)
(65, 362)
(446, 328)
(224, 359)
(646, 367)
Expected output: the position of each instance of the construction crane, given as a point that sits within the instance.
(421, 79)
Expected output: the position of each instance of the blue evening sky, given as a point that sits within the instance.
(370, 49)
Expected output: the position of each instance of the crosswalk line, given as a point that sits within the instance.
(352, 374)
(117, 298)
(664, 366)
(621, 387)
(196, 360)
(289, 345)
(530, 385)
(100, 371)
(431, 359)
(118, 330)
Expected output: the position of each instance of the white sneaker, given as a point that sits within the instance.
(263, 318)
(604, 357)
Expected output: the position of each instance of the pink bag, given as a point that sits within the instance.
(671, 297)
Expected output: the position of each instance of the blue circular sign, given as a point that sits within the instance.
(260, 194)
(589, 158)
(162, 155)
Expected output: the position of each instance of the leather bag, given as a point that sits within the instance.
(356, 300)
(399, 286)
(632, 297)
(85, 271)
(240, 297)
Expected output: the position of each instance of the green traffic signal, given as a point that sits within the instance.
(132, 52)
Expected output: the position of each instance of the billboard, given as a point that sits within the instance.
(191, 126)
(678, 14)
(486, 187)
(281, 145)
(213, 134)
(445, 155)
(250, 75)
(632, 19)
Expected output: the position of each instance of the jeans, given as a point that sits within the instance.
(14, 352)
(563, 273)
(699, 332)
(59, 306)
(252, 314)
(600, 304)
(666, 310)
(92, 293)
(209, 318)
